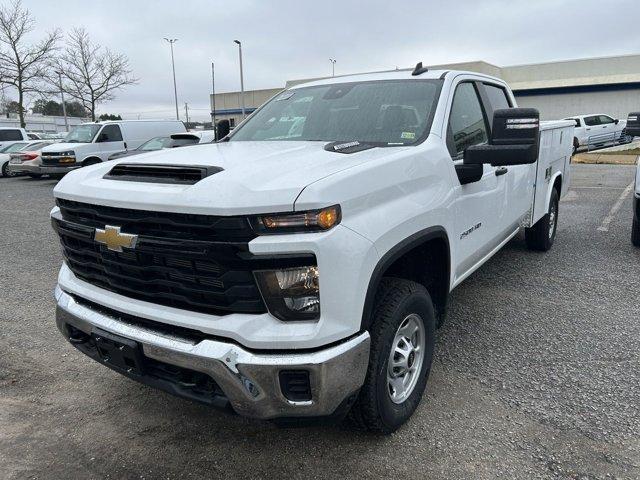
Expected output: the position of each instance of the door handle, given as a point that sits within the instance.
(501, 171)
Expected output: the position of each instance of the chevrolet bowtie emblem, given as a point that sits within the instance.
(114, 239)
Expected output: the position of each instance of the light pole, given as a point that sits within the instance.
(64, 107)
(213, 100)
(333, 66)
(241, 77)
(173, 67)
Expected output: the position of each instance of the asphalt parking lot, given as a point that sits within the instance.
(536, 375)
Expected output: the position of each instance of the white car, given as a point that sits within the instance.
(91, 143)
(27, 161)
(301, 269)
(9, 135)
(597, 130)
(6, 151)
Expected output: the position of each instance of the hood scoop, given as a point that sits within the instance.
(160, 173)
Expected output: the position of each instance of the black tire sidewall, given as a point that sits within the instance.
(5, 170)
(554, 202)
(393, 415)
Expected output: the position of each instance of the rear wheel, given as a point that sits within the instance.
(635, 232)
(541, 236)
(402, 343)
(6, 172)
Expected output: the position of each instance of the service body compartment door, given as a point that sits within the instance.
(555, 154)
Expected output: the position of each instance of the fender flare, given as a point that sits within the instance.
(393, 254)
(552, 181)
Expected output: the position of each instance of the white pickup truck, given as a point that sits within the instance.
(301, 266)
(633, 129)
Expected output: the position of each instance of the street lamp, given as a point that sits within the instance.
(333, 66)
(241, 77)
(173, 67)
(64, 107)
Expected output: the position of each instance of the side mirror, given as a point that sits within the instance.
(222, 129)
(514, 139)
(633, 124)
(103, 138)
(616, 121)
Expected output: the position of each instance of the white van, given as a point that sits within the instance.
(91, 143)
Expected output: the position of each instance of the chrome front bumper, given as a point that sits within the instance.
(249, 380)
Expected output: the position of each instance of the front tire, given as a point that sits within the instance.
(402, 342)
(541, 236)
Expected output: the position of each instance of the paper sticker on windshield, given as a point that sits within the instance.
(285, 96)
(408, 135)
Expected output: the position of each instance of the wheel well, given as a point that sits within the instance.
(557, 184)
(91, 160)
(427, 263)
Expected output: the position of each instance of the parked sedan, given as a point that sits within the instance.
(5, 155)
(172, 141)
(27, 160)
(597, 130)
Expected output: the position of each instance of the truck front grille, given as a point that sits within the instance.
(192, 262)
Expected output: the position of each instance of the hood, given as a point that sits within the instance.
(257, 177)
(62, 146)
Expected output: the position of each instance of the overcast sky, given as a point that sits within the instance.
(294, 39)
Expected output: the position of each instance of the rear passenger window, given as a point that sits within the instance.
(591, 121)
(497, 97)
(467, 126)
(8, 135)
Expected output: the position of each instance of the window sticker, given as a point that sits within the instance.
(408, 135)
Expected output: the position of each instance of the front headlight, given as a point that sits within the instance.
(292, 293)
(309, 221)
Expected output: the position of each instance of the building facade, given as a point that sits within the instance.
(609, 85)
(42, 123)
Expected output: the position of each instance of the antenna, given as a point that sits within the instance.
(419, 70)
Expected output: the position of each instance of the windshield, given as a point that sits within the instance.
(384, 113)
(82, 134)
(14, 147)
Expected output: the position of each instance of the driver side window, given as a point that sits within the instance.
(467, 125)
(110, 133)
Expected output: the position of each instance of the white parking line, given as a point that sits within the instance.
(604, 226)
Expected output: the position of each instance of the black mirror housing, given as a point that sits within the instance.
(222, 129)
(514, 139)
(633, 124)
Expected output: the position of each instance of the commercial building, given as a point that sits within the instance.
(608, 85)
(42, 123)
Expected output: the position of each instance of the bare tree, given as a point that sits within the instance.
(23, 65)
(90, 73)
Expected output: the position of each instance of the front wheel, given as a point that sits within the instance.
(541, 236)
(402, 342)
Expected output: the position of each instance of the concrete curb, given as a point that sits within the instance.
(604, 159)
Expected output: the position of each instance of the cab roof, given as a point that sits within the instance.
(405, 74)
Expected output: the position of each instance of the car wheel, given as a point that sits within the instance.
(635, 232)
(402, 343)
(541, 236)
(6, 172)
